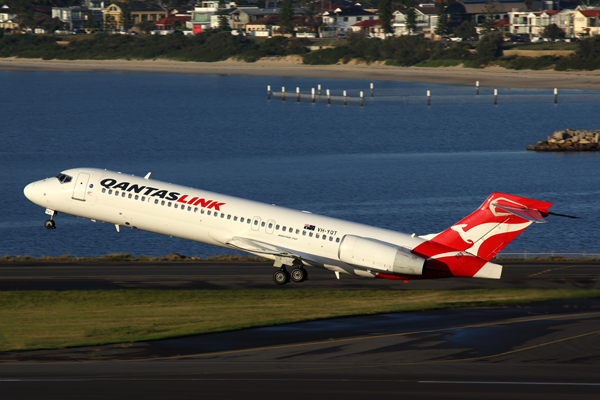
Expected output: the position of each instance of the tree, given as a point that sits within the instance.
(466, 29)
(222, 16)
(126, 20)
(146, 26)
(442, 22)
(553, 32)
(490, 47)
(51, 25)
(286, 17)
(411, 17)
(386, 16)
(490, 12)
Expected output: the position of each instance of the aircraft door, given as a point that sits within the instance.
(81, 184)
(255, 223)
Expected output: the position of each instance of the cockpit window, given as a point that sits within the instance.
(64, 178)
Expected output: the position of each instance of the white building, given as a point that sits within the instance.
(340, 21)
(205, 16)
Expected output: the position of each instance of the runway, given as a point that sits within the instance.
(253, 275)
(538, 351)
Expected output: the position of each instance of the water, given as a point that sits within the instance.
(394, 163)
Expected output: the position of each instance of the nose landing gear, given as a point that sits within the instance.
(49, 224)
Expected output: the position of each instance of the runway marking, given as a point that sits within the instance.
(552, 269)
(516, 383)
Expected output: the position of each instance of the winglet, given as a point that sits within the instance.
(147, 175)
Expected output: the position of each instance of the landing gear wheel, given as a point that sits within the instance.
(299, 274)
(49, 224)
(281, 277)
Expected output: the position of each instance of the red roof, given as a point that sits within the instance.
(591, 13)
(368, 22)
(172, 18)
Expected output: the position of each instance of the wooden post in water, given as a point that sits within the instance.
(371, 90)
(361, 99)
(319, 89)
(344, 97)
(269, 92)
(477, 87)
(555, 96)
(283, 93)
(428, 98)
(328, 97)
(297, 94)
(312, 94)
(495, 96)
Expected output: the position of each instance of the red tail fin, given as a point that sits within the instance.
(488, 230)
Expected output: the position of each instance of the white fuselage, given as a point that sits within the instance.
(213, 218)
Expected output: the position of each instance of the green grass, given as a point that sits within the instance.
(46, 319)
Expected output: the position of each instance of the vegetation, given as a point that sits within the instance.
(129, 257)
(218, 45)
(36, 320)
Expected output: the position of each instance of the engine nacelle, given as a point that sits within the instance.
(381, 256)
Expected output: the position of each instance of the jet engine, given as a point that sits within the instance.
(381, 256)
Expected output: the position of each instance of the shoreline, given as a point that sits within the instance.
(494, 77)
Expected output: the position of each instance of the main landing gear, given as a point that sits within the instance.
(49, 224)
(282, 276)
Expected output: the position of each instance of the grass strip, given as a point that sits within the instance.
(47, 320)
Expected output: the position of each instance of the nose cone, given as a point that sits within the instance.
(29, 191)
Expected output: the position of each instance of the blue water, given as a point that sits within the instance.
(394, 163)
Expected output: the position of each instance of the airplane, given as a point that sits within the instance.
(290, 238)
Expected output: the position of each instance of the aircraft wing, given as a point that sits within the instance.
(255, 246)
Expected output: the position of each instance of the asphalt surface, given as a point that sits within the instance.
(223, 275)
(538, 351)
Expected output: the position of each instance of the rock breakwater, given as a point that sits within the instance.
(569, 140)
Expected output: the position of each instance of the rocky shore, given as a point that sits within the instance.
(569, 140)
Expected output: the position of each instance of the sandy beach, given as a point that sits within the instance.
(292, 67)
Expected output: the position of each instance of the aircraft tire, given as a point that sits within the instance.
(49, 224)
(281, 277)
(298, 275)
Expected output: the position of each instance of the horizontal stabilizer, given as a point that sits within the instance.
(520, 211)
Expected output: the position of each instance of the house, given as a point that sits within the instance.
(8, 18)
(242, 16)
(586, 22)
(140, 12)
(166, 24)
(74, 18)
(528, 22)
(205, 16)
(475, 11)
(263, 27)
(426, 16)
(369, 28)
(340, 21)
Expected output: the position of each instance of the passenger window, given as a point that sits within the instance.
(310, 234)
(303, 233)
(195, 209)
(136, 197)
(277, 227)
(235, 218)
(110, 191)
(324, 237)
(283, 229)
(130, 196)
(116, 192)
(175, 206)
(123, 194)
(270, 226)
(337, 240)
(256, 222)
(208, 213)
(248, 220)
(291, 230)
(156, 201)
(103, 190)
(202, 211)
(242, 219)
(317, 235)
(229, 217)
(262, 224)
(169, 204)
(189, 208)
(143, 198)
(330, 238)
(162, 203)
(297, 231)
